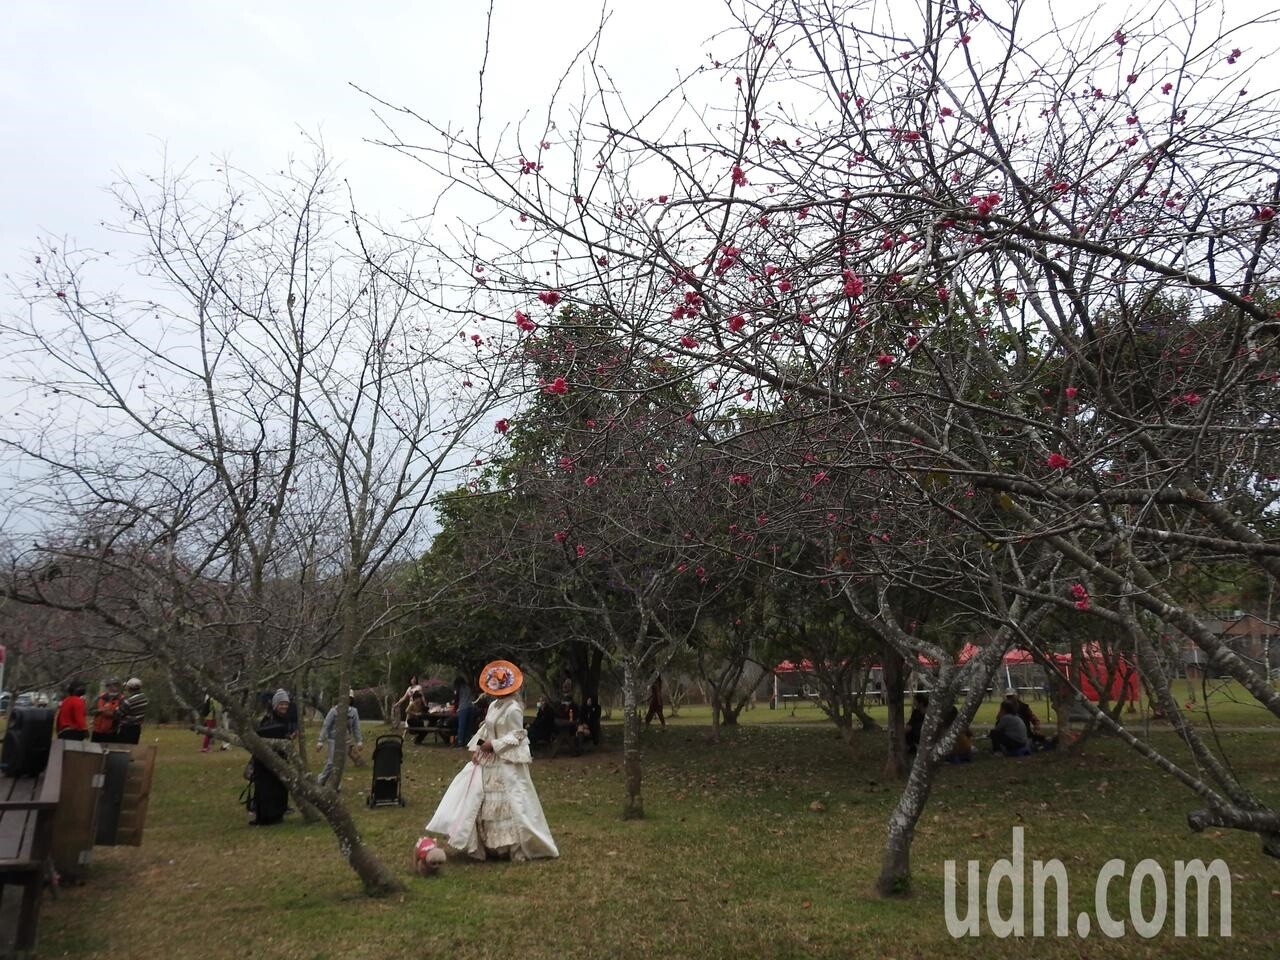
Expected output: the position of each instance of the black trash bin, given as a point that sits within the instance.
(27, 742)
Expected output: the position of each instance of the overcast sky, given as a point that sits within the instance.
(90, 88)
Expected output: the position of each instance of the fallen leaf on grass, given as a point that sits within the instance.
(806, 904)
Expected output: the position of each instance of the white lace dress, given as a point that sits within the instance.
(491, 807)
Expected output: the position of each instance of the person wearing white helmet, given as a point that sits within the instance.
(133, 710)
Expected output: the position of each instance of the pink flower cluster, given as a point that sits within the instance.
(853, 285)
(985, 204)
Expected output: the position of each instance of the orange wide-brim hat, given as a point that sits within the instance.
(501, 678)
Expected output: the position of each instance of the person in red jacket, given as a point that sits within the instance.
(72, 722)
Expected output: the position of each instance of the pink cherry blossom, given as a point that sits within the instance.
(558, 386)
(1057, 461)
(550, 297)
(502, 426)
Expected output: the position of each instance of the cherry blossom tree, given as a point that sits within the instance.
(1004, 290)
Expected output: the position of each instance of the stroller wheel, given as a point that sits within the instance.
(402, 801)
(369, 801)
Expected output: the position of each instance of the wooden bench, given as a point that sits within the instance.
(27, 807)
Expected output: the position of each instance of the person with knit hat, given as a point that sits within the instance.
(280, 722)
(491, 808)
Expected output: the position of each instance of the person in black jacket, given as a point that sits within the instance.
(270, 795)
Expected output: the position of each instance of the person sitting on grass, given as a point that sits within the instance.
(543, 729)
(1009, 736)
(1027, 716)
(962, 749)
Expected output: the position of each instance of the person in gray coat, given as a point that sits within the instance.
(328, 732)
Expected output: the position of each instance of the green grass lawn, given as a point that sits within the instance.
(731, 862)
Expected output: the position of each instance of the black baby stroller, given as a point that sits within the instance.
(388, 755)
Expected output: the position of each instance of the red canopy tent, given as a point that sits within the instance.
(1095, 673)
(1092, 674)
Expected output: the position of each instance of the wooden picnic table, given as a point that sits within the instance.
(443, 725)
(27, 806)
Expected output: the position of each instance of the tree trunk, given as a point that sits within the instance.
(895, 867)
(860, 711)
(895, 767)
(350, 630)
(714, 696)
(591, 684)
(375, 877)
(633, 806)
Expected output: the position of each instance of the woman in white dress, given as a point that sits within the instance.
(491, 808)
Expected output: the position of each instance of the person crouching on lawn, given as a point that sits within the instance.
(491, 808)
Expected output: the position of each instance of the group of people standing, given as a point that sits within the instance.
(116, 716)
